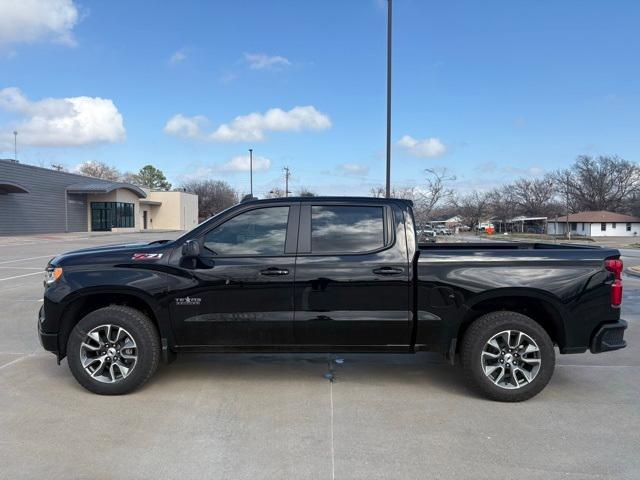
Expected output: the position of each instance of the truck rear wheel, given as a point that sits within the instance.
(507, 356)
(113, 350)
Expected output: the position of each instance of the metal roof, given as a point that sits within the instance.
(92, 186)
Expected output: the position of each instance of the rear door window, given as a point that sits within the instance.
(346, 229)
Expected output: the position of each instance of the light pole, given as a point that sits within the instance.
(251, 172)
(389, 9)
(15, 145)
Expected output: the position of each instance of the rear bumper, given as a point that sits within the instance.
(49, 341)
(609, 336)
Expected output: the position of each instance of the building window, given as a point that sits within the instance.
(108, 215)
(613, 225)
(628, 227)
(603, 227)
(583, 226)
(574, 226)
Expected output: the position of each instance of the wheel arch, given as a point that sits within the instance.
(89, 300)
(540, 306)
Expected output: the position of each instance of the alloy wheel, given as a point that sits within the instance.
(511, 359)
(108, 353)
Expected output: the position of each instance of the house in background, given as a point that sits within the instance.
(40, 200)
(595, 224)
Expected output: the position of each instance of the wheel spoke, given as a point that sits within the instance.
(89, 347)
(100, 367)
(491, 355)
(124, 370)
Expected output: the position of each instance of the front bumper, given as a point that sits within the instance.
(609, 336)
(49, 341)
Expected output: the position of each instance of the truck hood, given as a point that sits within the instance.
(119, 253)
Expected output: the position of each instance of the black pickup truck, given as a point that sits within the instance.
(330, 275)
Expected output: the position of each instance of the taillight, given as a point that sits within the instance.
(615, 266)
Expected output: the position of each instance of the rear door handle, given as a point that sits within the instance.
(388, 271)
(274, 271)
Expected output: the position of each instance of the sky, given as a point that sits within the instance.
(490, 90)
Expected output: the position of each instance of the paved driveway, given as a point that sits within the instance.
(278, 416)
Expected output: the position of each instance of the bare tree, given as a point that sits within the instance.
(434, 192)
(213, 196)
(602, 183)
(472, 207)
(305, 192)
(99, 170)
(534, 197)
(275, 193)
(425, 198)
(502, 204)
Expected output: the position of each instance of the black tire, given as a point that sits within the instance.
(144, 334)
(477, 336)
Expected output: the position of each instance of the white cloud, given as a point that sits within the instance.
(241, 163)
(428, 147)
(177, 57)
(353, 169)
(262, 61)
(251, 127)
(26, 21)
(186, 127)
(62, 122)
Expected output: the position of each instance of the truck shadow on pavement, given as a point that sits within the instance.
(426, 372)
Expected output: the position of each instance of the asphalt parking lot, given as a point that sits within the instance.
(278, 416)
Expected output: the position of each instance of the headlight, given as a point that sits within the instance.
(52, 274)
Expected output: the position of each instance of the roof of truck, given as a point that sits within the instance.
(329, 199)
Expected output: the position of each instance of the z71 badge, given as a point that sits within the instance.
(146, 256)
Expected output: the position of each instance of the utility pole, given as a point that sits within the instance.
(567, 199)
(15, 145)
(287, 173)
(389, 9)
(251, 171)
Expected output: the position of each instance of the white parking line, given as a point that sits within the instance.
(596, 366)
(20, 276)
(25, 259)
(23, 268)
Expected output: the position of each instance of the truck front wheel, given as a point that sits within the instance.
(507, 356)
(113, 350)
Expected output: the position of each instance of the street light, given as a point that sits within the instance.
(389, 9)
(251, 171)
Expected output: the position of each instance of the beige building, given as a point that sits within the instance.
(143, 209)
(168, 211)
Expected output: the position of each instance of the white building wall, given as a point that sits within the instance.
(620, 230)
(594, 229)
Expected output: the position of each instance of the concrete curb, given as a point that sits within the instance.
(633, 271)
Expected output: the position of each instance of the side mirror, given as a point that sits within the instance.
(191, 249)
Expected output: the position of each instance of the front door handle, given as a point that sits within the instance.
(388, 271)
(274, 271)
